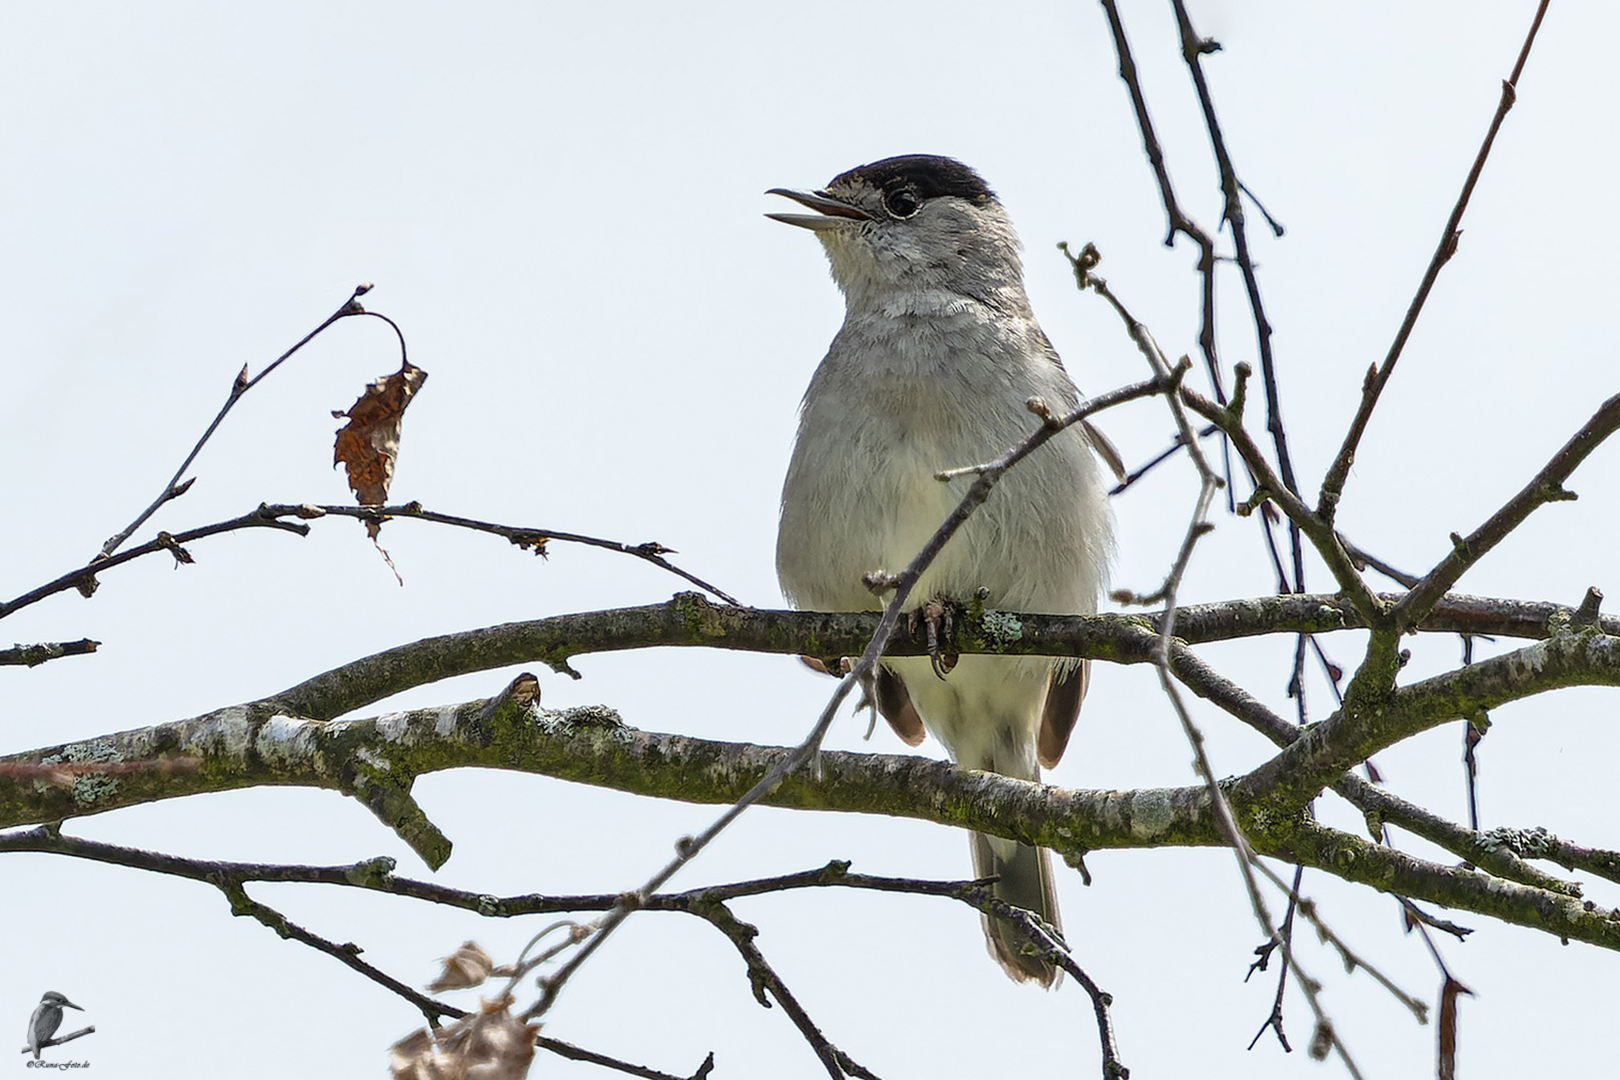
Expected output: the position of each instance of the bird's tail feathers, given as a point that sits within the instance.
(1024, 876)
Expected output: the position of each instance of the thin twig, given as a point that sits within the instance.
(708, 903)
(1333, 482)
(1545, 487)
(764, 979)
(1282, 494)
(1351, 959)
(579, 1053)
(1274, 1022)
(523, 536)
(1197, 527)
(40, 652)
(1193, 49)
(273, 515)
(1175, 447)
(1362, 557)
(1177, 220)
(174, 488)
(75, 578)
(346, 954)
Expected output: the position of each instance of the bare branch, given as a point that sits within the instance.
(83, 578)
(1348, 956)
(1333, 482)
(273, 515)
(1350, 736)
(174, 488)
(1546, 487)
(1280, 492)
(765, 980)
(525, 537)
(708, 903)
(579, 1053)
(36, 654)
(1538, 843)
(1177, 220)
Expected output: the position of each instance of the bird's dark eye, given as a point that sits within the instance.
(902, 202)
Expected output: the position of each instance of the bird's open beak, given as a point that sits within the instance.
(830, 212)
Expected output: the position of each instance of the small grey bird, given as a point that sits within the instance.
(46, 1019)
(938, 354)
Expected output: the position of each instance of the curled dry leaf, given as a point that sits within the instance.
(369, 443)
(492, 1044)
(468, 966)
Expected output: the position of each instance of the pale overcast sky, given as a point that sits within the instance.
(562, 206)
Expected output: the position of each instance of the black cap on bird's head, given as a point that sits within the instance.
(904, 184)
(929, 175)
(913, 225)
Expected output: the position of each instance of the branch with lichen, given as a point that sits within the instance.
(377, 760)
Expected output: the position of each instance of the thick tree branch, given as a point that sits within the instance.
(1388, 870)
(591, 745)
(689, 620)
(1352, 735)
(1384, 807)
(270, 742)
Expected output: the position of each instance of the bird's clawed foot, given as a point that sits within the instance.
(937, 615)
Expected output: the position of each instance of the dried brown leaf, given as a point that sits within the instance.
(368, 445)
(467, 966)
(489, 1045)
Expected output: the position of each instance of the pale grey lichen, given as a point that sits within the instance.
(565, 722)
(596, 716)
(89, 790)
(1151, 813)
(376, 871)
(1531, 843)
(100, 750)
(1002, 627)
